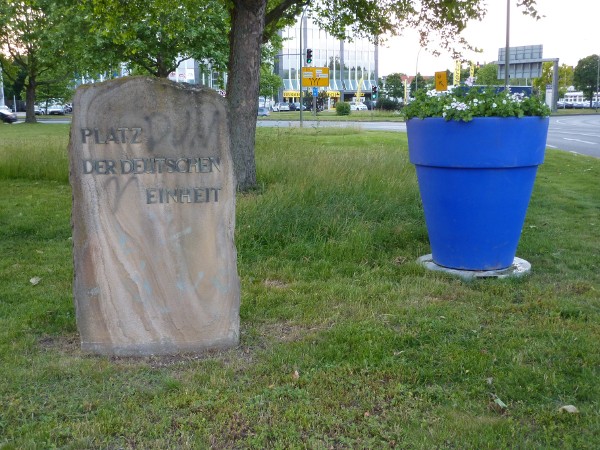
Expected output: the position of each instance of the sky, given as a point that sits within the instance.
(569, 31)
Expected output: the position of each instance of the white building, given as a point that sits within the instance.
(353, 66)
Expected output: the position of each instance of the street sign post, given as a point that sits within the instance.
(441, 81)
(315, 76)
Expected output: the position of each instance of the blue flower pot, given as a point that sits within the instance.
(476, 180)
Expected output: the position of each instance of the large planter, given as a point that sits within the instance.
(476, 180)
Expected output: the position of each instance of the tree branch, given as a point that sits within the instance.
(284, 9)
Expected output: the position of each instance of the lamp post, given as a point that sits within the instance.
(1, 89)
(301, 60)
(598, 83)
(506, 58)
(417, 70)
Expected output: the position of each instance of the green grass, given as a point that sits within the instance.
(346, 342)
(34, 151)
(574, 112)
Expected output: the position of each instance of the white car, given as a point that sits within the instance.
(56, 109)
(282, 106)
(358, 107)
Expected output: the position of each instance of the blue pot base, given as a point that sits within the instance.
(518, 268)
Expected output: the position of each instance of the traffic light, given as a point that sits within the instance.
(308, 55)
(374, 91)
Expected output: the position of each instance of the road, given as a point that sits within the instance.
(576, 134)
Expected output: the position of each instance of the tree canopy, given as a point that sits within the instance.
(32, 38)
(487, 75)
(394, 86)
(157, 35)
(585, 76)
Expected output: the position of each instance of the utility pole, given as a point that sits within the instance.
(506, 57)
(598, 84)
(301, 63)
(2, 89)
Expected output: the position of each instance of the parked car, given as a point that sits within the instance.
(283, 106)
(296, 107)
(37, 109)
(264, 112)
(6, 115)
(358, 107)
(56, 110)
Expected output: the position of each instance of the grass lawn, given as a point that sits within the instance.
(345, 341)
(331, 115)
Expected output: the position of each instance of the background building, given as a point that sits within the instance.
(353, 66)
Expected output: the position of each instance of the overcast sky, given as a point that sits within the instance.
(569, 31)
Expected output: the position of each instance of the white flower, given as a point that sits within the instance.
(504, 102)
(494, 105)
(444, 114)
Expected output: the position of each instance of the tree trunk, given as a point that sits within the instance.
(30, 100)
(247, 26)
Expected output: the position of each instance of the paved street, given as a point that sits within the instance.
(576, 134)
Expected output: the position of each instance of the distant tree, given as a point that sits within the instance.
(269, 82)
(417, 82)
(394, 86)
(34, 36)
(14, 78)
(585, 76)
(565, 79)
(487, 75)
(545, 79)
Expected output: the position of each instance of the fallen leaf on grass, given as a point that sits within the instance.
(497, 405)
(400, 260)
(296, 375)
(35, 280)
(569, 408)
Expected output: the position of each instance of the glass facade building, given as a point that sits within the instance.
(352, 65)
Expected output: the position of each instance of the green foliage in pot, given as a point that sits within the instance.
(464, 103)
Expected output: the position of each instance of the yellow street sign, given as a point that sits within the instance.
(315, 76)
(441, 81)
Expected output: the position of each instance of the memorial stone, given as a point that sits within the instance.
(153, 219)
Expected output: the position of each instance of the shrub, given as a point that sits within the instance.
(342, 108)
(387, 104)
